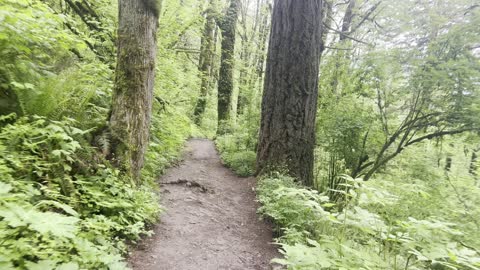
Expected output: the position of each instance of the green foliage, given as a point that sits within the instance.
(238, 147)
(169, 132)
(236, 154)
(316, 236)
(40, 74)
(60, 207)
(297, 210)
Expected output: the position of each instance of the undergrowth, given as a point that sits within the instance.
(60, 206)
(237, 148)
(316, 235)
(241, 161)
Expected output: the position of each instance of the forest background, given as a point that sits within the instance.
(396, 182)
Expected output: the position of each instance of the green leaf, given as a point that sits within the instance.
(64, 207)
(68, 266)
(6, 266)
(56, 224)
(41, 265)
(5, 188)
(13, 215)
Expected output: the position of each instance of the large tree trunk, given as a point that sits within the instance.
(134, 78)
(225, 82)
(207, 51)
(287, 130)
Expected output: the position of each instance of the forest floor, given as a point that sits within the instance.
(210, 220)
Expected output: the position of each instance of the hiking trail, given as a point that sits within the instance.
(210, 220)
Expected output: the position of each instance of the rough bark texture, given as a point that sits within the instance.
(225, 82)
(287, 130)
(207, 51)
(134, 78)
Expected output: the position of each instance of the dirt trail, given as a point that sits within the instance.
(210, 220)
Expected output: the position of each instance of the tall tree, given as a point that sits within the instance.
(225, 81)
(253, 35)
(134, 78)
(287, 129)
(347, 20)
(206, 64)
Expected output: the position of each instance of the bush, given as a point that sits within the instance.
(356, 238)
(168, 134)
(59, 205)
(243, 163)
(236, 155)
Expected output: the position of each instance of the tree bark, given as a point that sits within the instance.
(287, 129)
(134, 79)
(327, 22)
(473, 164)
(246, 39)
(225, 82)
(347, 20)
(207, 50)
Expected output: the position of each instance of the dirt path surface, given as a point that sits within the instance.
(210, 220)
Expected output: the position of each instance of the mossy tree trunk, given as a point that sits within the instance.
(206, 65)
(225, 81)
(134, 78)
(289, 103)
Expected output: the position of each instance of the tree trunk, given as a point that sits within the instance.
(225, 82)
(287, 129)
(255, 56)
(207, 51)
(448, 164)
(342, 57)
(473, 164)
(327, 22)
(264, 31)
(347, 20)
(134, 79)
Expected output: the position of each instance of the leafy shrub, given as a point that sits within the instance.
(355, 237)
(243, 163)
(60, 206)
(236, 155)
(295, 210)
(168, 134)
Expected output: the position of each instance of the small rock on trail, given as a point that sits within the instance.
(210, 220)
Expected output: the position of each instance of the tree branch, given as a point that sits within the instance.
(349, 37)
(366, 17)
(440, 134)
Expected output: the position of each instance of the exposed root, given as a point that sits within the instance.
(188, 183)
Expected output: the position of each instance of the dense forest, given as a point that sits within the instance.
(358, 118)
